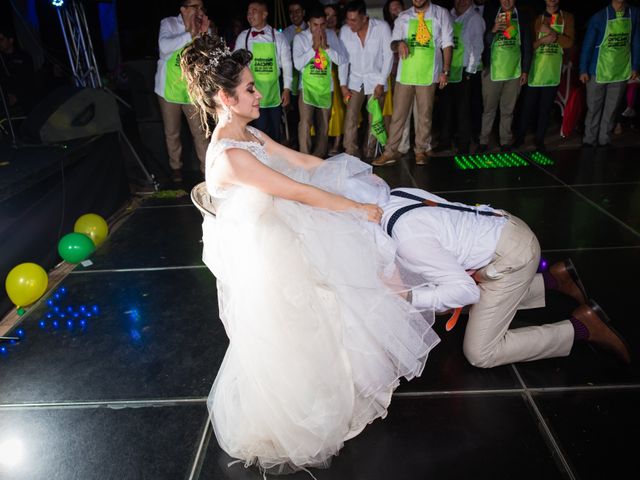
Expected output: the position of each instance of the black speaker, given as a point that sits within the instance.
(71, 112)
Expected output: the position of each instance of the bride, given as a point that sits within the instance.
(309, 292)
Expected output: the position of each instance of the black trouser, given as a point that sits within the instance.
(456, 104)
(537, 100)
(269, 122)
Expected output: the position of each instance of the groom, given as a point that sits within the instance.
(488, 259)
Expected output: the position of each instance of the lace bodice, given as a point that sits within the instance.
(256, 148)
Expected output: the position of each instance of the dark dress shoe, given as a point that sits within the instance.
(588, 145)
(482, 148)
(176, 175)
(601, 333)
(463, 149)
(442, 147)
(540, 146)
(506, 148)
(568, 280)
(605, 145)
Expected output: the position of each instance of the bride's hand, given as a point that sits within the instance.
(374, 212)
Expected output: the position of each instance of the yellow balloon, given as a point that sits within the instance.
(94, 226)
(26, 283)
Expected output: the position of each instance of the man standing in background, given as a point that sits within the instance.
(175, 34)
(271, 53)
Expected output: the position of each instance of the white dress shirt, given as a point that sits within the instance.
(303, 51)
(173, 36)
(283, 50)
(472, 37)
(442, 34)
(440, 244)
(369, 64)
(290, 31)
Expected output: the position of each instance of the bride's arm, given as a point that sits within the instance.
(296, 158)
(238, 167)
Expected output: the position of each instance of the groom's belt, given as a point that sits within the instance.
(430, 203)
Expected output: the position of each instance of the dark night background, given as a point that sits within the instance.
(138, 22)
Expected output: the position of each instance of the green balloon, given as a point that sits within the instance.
(75, 247)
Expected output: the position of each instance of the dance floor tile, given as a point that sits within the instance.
(594, 166)
(597, 431)
(442, 175)
(152, 238)
(448, 370)
(620, 200)
(559, 218)
(482, 437)
(610, 278)
(157, 335)
(101, 443)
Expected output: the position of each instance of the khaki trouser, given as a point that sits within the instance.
(172, 120)
(403, 97)
(351, 125)
(503, 94)
(602, 104)
(319, 118)
(488, 341)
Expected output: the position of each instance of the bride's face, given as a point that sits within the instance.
(246, 103)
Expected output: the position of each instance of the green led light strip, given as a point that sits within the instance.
(485, 161)
(489, 160)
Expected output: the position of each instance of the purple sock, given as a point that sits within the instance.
(580, 330)
(550, 282)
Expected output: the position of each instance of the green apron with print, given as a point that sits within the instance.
(316, 83)
(265, 73)
(505, 55)
(547, 62)
(614, 57)
(457, 59)
(418, 67)
(175, 86)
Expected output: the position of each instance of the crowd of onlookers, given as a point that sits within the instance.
(339, 79)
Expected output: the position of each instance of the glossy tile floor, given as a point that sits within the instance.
(116, 388)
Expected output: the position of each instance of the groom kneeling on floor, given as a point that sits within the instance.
(489, 259)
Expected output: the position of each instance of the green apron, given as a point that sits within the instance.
(419, 66)
(175, 86)
(505, 55)
(457, 59)
(547, 62)
(316, 84)
(377, 121)
(614, 57)
(264, 67)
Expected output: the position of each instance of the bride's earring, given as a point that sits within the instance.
(227, 115)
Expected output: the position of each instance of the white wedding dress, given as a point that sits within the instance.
(319, 338)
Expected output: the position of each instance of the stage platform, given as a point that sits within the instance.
(45, 188)
(120, 394)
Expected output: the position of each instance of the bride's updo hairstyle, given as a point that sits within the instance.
(209, 67)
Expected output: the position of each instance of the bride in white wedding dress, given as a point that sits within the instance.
(310, 295)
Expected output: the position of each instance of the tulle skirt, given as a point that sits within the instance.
(312, 302)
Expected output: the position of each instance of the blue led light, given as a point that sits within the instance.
(95, 309)
(20, 332)
(55, 324)
(50, 302)
(3, 349)
(83, 308)
(83, 323)
(70, 323)
(57, 3)
(63, 290)
(56, 309)
(42, 324)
